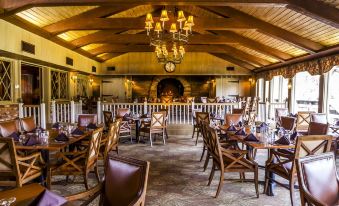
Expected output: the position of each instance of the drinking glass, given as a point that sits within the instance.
(7, 201)
(22, 138)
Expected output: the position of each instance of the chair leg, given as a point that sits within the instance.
(196, 141)
(96, 170)
(163, 136)
(203, 152)
(206, 161)
(256, 182)
(193, 132)
(48, 179)
(266, 181)
(166, 133)
(86, 180)
(150, 139)
(221, 182)
(117, 150)
(211, 175)
(292, 183)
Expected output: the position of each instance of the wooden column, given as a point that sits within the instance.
(321, 94)
(289, 101)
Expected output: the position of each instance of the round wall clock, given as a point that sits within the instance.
(169, 67)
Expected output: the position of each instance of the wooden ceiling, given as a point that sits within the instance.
(250, 33)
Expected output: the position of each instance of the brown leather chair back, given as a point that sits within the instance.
(27, 124)
(237, 111)
(280, 112)
(125, 181)
(318, 180)
(288, 123)
(202, 117)
(232, 118)
(121, 112)
(108, 118)
(8, 166)
(319, 118)
(9, 127)
(317, 128)
(86, 119)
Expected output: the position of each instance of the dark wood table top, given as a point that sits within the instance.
(24, 195)
(260, 145)
(52, 144)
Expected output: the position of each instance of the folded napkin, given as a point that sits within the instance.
(241, 132)
(32, 140)
(283, 140)
(91, 126)
(56, 125)
(15, 136)
(240, 123)
(337, 123)
(78, 131)
(292, 115)
(282, 130)
(231, 128)
(126, 117)
(61, 138)
(251, 138)
(48, 198)
(294, 136)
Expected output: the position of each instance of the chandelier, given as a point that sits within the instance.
(163, 37)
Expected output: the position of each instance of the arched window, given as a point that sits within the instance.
(306, 92)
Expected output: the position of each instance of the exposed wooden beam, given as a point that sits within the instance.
(109, 37)
(110, 56)
(118, 48)
(234, 60)
(139, 23)
(269, 29)
(262, 48)
(99, 12)
(317, 10)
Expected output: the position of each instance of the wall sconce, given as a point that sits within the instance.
(91, 80)
(74, 77)
(289, 86)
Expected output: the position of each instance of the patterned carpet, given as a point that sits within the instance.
(177, 178)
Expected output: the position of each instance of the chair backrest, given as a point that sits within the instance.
(303, 120)
(288, 123)
(232, 118)
(319, 118)
(214, 146)
(317, 128)
(280, 112)
(121, 112)
(203, 99)
(93, 148)
(125, 181)
(9, 168)
(312, 145)
(237, 111)
(158, 120)
(112, 137)
(190, 99)
(86, 119)
(211, 100)
(166, 99)
(27, 124)
(318, 179)
(9, 127)
(164, 110)
(108, 118)
(202, 117)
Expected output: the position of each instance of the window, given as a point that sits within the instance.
(333, 98)
(267, 90)
(306, 93)
(82, 84)
(5, 80)
(59, 84)
(279, 89)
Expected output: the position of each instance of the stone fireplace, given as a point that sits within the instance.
(169, 86)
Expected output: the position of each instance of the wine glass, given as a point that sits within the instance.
(7, 201)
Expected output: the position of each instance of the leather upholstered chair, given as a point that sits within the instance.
(318, 180)
(9, 127)
(125, 184)
(232, 118)
(121, 112)
(108, 118)
(280, 112)
(288, 123)
(16, 170)
(284, 165)
(28, 124)
(319, 118)
(237, 111)
(85, 119)
(317, 128)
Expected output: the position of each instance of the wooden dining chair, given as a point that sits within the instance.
(157, 126)
(315, 128)
(194, 119)
(166, 99)
(125, 184)
(284, 165)
(211, 100)
(108, 118)
(189, 99)
(125, 130)
(200, 118)
(9, 127)
(16, 170)
(319, 118)
(288, 123)
(85, 119)
(318, 180)
(303, 121)
(78, 163)
(232, 118)
(112, 141)
(280, 112)
(166, 119)
(229, 160)
(203, 99)
(27, 124)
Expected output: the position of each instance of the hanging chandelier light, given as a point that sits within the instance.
(169, 41)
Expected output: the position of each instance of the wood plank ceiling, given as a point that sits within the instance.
(250, 33)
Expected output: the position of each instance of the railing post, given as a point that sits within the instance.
(43, 115)
(145, 107)
(72, 112)
(99, 110)
(53, 111)
(21, 110)
(192, 109)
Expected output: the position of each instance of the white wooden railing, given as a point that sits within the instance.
(266, 110)
(178, 113)
(65, 111)
(37, 111)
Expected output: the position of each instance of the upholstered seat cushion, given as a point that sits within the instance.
(8, 127)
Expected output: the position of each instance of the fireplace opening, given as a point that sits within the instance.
(170, 87)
